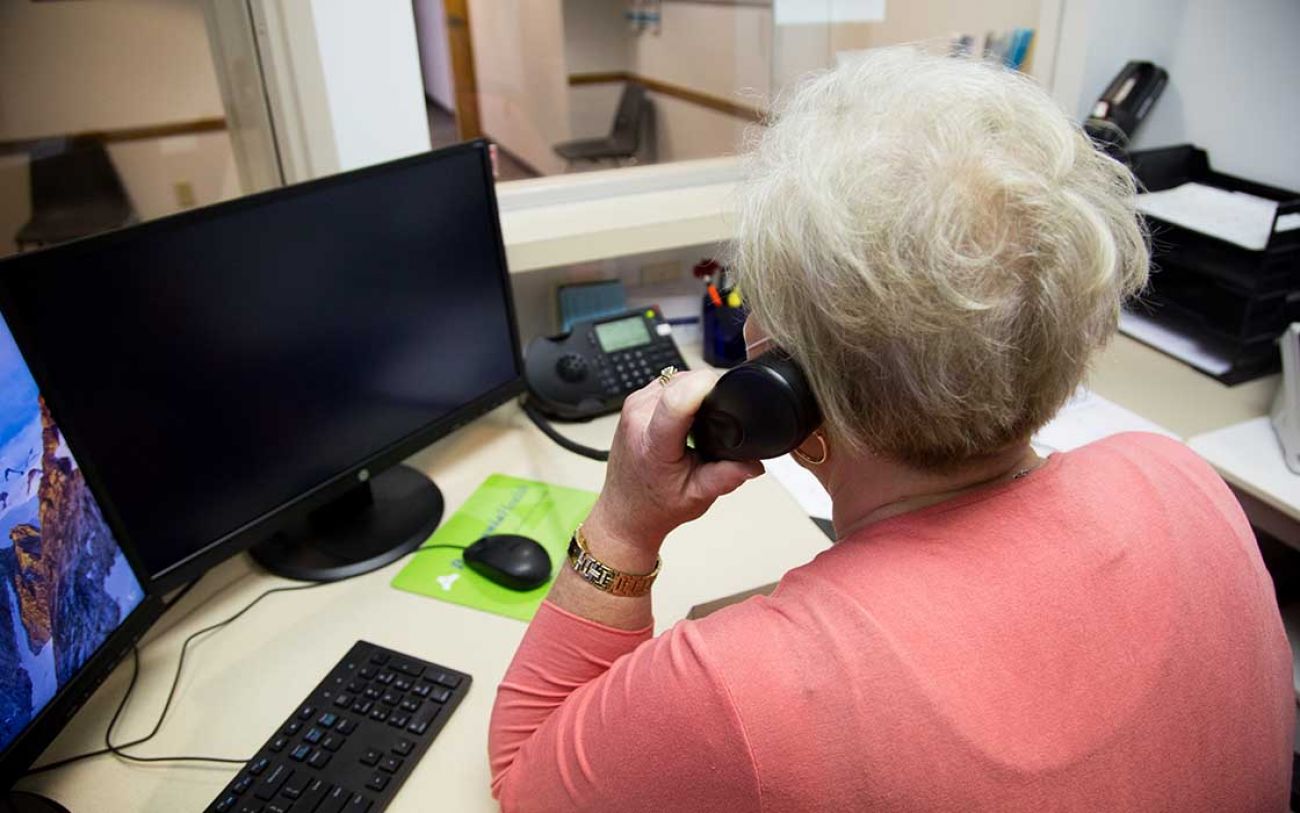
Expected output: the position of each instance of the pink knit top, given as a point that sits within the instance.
(1098, 635)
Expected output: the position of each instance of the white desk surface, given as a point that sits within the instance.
(243, 681)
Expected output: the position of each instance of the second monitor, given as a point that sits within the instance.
(253, 372)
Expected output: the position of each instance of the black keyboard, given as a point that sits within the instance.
(355, 739)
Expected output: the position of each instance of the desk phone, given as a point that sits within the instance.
(592, 368)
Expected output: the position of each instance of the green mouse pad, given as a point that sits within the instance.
(501, 505)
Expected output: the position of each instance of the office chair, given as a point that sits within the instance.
(75, 192)
(631, 136)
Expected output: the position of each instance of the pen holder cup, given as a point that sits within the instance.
(724, 338)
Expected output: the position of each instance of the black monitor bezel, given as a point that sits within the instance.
(262, 527)
(41, 730)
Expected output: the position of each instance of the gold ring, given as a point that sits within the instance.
(666, 374)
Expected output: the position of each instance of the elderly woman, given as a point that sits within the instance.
(941, 250)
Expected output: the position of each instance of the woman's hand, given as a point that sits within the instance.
(653, 483)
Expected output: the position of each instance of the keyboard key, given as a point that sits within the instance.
(391, 698)
(292, 728)
(250, 807)
(403, 747)
(371, 757)
(276, 807)
(411, 704)
(226, 804)
(245, 782)
(346, 727)
(409, 667)
(366, 672)
(335, 800)
(300, 753)
(258, 765)
(402, 684)
(446, 679)
(420, 720)
(343, 700)
(328, 719)
(311, 797)
(358, 804)
(319, 759)
(373, 692)
(313, 735)
(332, 742)
(379, 658)
(390, 764)
(378, 713)
(278, 743)
(270, 784)
(399, 720)
(385, 677)
(377, 782)
(440, 695)
(362, 706)
(306, 712)
(295, 785)
(422, 689)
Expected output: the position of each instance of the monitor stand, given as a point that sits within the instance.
(379, 521)
(21, 801)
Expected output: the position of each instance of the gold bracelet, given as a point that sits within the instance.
(606, 578)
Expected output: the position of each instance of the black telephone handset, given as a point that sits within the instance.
(1125, 103)
(762, 409)
(592, 368)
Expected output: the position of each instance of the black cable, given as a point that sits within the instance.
(117, 750)
(539, 420)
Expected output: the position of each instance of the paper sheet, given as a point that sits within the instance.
(1087, 417)
(1194, 350)
(802, 485)
(1243, 219)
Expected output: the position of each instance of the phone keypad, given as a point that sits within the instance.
(628, 370)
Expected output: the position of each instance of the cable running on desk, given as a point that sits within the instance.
(116, 750)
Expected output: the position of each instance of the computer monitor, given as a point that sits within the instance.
(252, 373)
(71, 602)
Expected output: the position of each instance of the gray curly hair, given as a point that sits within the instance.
(939, 247)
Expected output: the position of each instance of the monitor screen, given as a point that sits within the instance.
(231, 360)
(65, 584)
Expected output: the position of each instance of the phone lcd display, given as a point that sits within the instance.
(622, 334)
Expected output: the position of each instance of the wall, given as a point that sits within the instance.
(716, 49)
(724, 51)
(804, 48)
(1231, 71)
(519, 65)
(435, 53)
(371, 69)
(596, 40)
(80, 66)
(344, 82)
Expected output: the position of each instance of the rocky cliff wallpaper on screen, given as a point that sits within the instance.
(64, 582)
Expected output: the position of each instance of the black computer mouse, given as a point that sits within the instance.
(509, 560)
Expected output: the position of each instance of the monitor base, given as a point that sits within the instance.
(375, 523)
(21, 801)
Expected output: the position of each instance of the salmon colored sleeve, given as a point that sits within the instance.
(589, 717)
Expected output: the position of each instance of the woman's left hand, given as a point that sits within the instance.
(653, 483)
